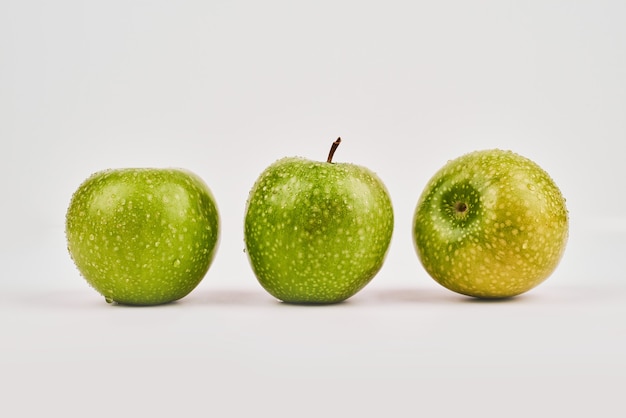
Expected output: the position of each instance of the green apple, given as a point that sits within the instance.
(490, 224)
(317, 232)
(143, 236)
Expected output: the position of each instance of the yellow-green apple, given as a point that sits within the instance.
(490, 224)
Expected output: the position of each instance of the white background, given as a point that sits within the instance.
(224, 88)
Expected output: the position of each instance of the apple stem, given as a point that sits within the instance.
(333, 148)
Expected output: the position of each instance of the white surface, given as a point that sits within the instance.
(225, 89)
(402, 347)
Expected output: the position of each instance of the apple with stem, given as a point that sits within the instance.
(143, 236)
(490, 224)
(317, 232)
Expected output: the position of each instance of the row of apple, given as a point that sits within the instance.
(489, 224)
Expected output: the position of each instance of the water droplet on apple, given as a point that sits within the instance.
(108, 299)
(531, 187)
(177, 263)
(91, 237)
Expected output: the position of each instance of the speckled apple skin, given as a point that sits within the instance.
(512, 235)
(317, 232)
(143, 236)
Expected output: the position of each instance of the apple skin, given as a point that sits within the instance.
(317, 232)
(490, 224)
(143, 236)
